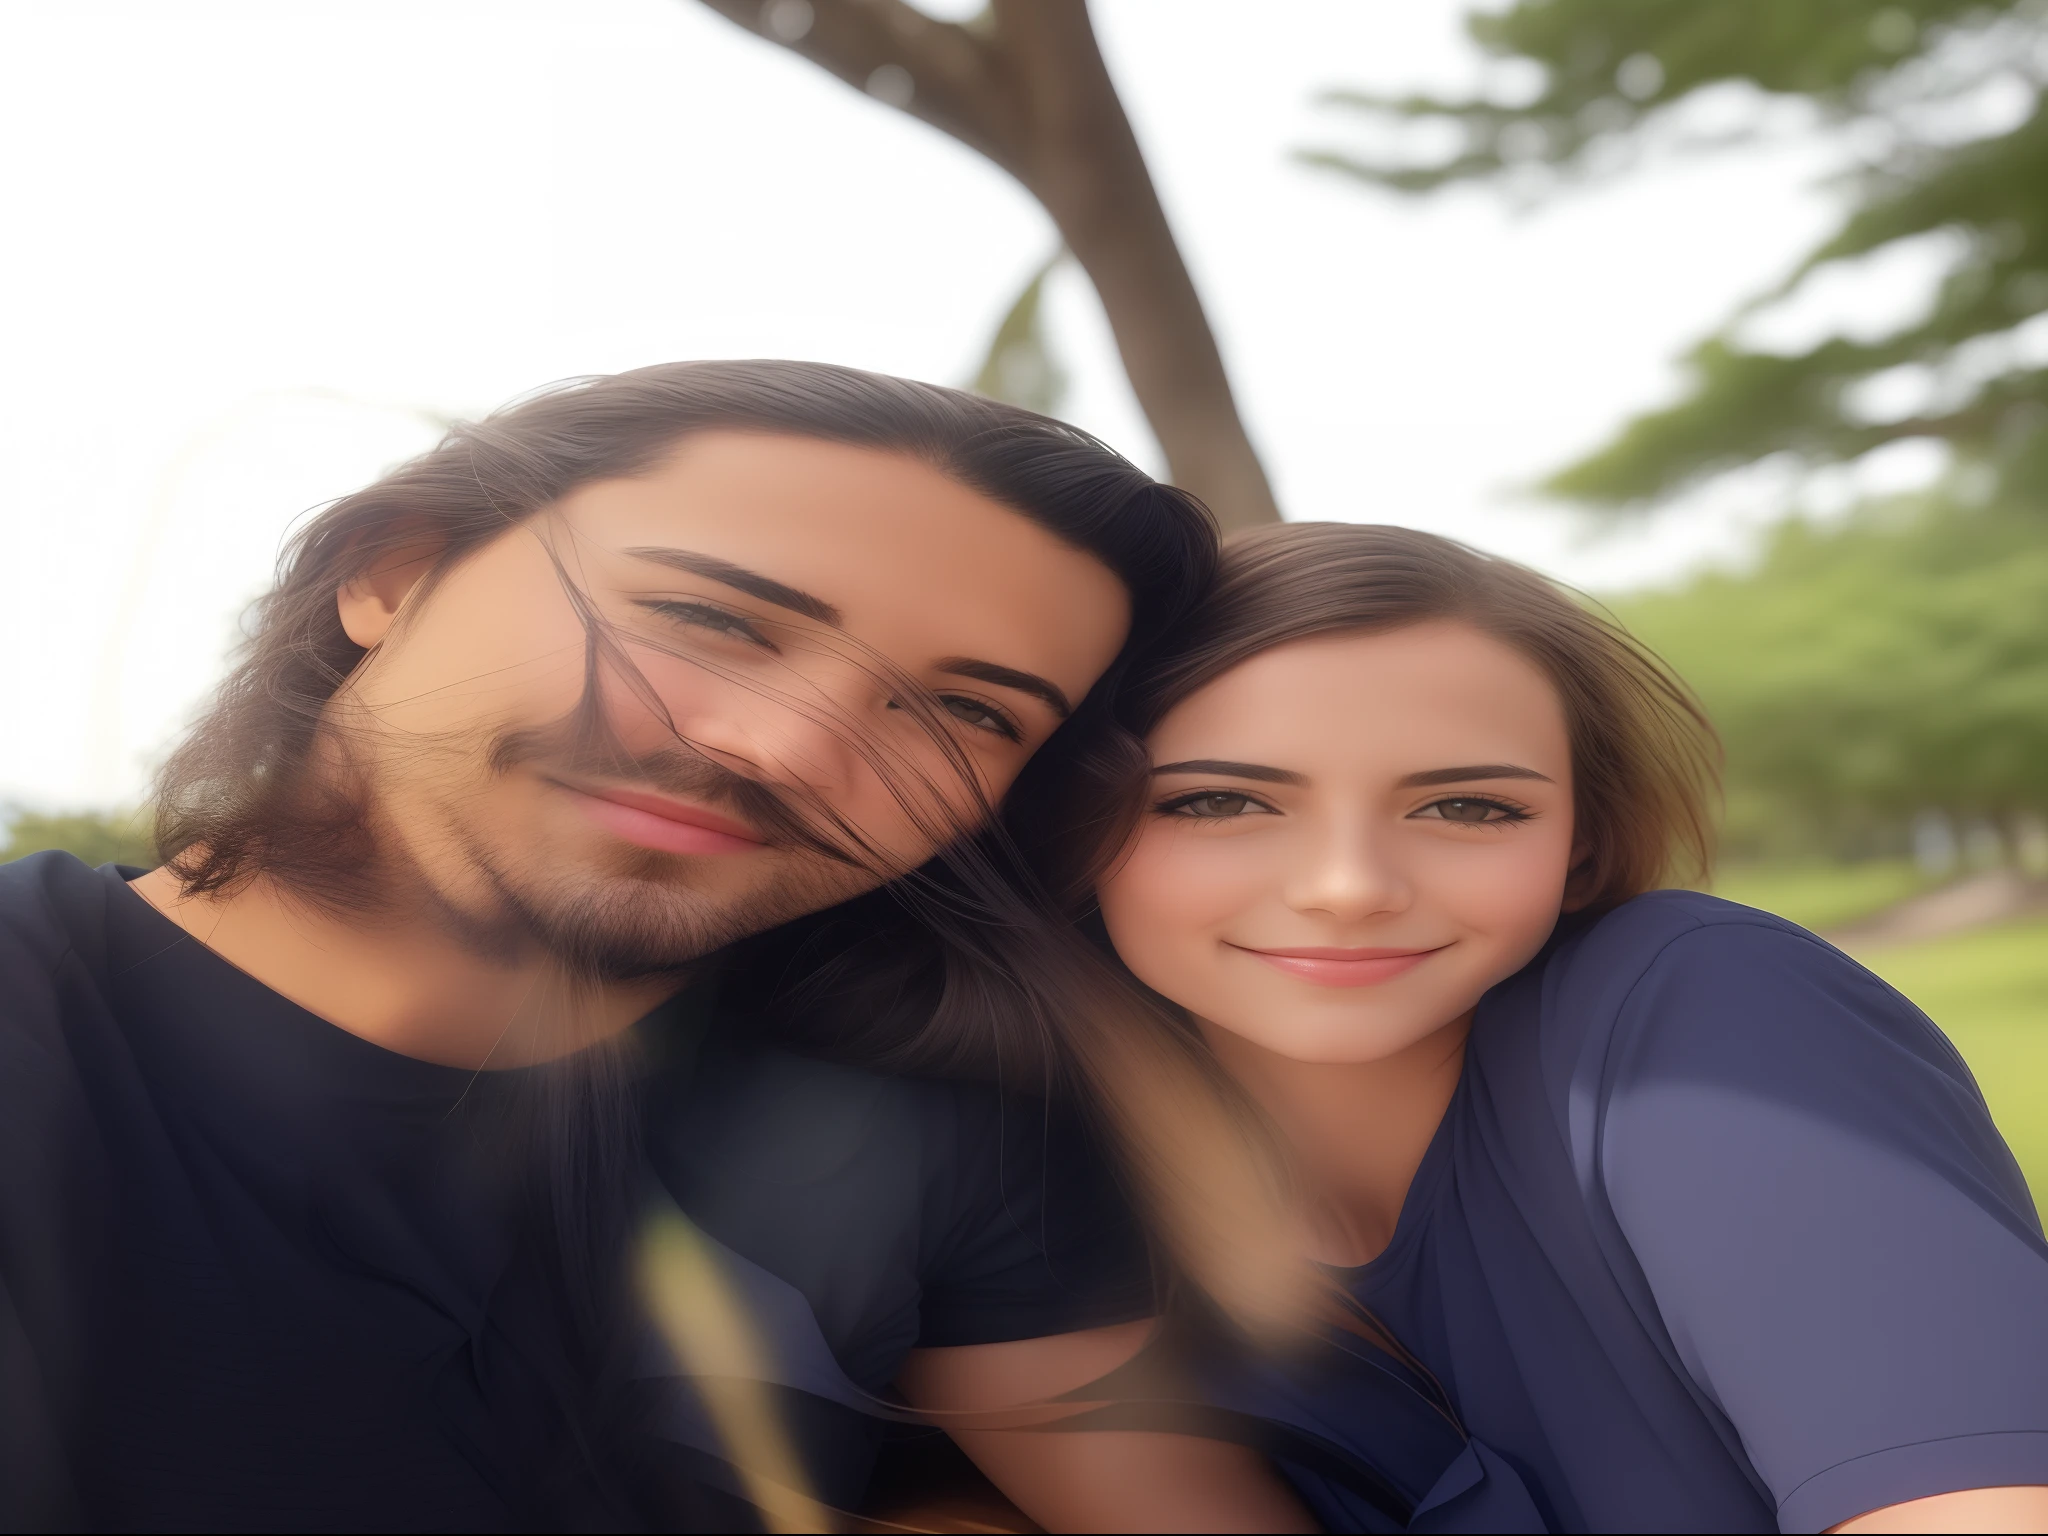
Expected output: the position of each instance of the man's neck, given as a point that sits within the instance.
(402, 980)
(1358, 1130)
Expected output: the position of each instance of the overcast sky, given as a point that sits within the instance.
(251, 242)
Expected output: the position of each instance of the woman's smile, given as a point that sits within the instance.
(1327, 966)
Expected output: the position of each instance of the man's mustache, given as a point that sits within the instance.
(678, 771)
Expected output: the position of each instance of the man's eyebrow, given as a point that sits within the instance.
(1256, 771)
(740, 579)
(1008, 677)
(1472, 771)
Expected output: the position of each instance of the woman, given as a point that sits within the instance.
(1680, 1218)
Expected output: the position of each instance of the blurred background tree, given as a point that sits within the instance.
(1024, 84)
(97, 837)
(1892, 667)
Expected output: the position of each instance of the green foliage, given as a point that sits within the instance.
(1864, 673)
(1618, 76)
(96, 837)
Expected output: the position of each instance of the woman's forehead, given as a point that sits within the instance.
(1384, 695)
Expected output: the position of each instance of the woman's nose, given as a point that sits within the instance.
(1348, 874)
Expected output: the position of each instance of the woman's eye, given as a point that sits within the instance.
(718, 620)
(1472, 813)
(983, 717)
(1218, 805)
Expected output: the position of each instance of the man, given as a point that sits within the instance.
(320, 1160)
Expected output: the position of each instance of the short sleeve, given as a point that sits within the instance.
(1837, 1240)
(1031, 1235)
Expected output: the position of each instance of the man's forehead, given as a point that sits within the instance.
(876, 543)
(844, 524)
(756, 490)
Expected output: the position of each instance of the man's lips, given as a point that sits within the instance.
(669, 826)
(1329, 967)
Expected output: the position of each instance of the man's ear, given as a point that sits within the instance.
(369, 604)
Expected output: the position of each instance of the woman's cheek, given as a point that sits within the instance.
(1163, 906)
(1514, 900)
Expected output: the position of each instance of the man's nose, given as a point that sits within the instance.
(815, 726)
(1349, 872)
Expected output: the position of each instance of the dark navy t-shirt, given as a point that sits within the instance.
(257, 1273)
(1716, 1234)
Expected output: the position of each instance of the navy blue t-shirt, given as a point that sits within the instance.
(258, 1273)
(1717, 1234)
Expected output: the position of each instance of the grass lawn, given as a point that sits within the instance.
(1821, 896)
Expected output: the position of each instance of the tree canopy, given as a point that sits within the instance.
(1940, 105)
(1863, 674)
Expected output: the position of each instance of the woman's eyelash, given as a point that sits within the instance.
(1510, 813)
(709, 616)
(1190, 803)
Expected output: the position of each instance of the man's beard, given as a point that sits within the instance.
(643, 918)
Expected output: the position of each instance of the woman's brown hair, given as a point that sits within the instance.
(1645, 758)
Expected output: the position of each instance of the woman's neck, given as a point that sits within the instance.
(1358, 1130)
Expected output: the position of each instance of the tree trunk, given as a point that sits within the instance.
(1026, 86)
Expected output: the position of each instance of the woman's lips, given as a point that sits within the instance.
(1342, 967)
(668, 826)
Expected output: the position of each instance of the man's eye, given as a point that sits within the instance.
(1473, 813)
(1212, 805)
(705, 616)
(983, 717)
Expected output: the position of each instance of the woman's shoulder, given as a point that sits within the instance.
(1690, 944)
(1662, 928)
(1684, 1023)
(1681, 975)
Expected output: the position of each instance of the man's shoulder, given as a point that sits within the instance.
(53, 925)
(51, 904)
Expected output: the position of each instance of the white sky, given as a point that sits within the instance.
(246, 240)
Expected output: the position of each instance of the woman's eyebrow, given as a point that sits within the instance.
(1262, 774)
(1471, 771)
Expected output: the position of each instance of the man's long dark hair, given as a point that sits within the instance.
(963, 967)
(230, 800)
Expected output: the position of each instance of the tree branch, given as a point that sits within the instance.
(953, 72)
(1033, 95)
